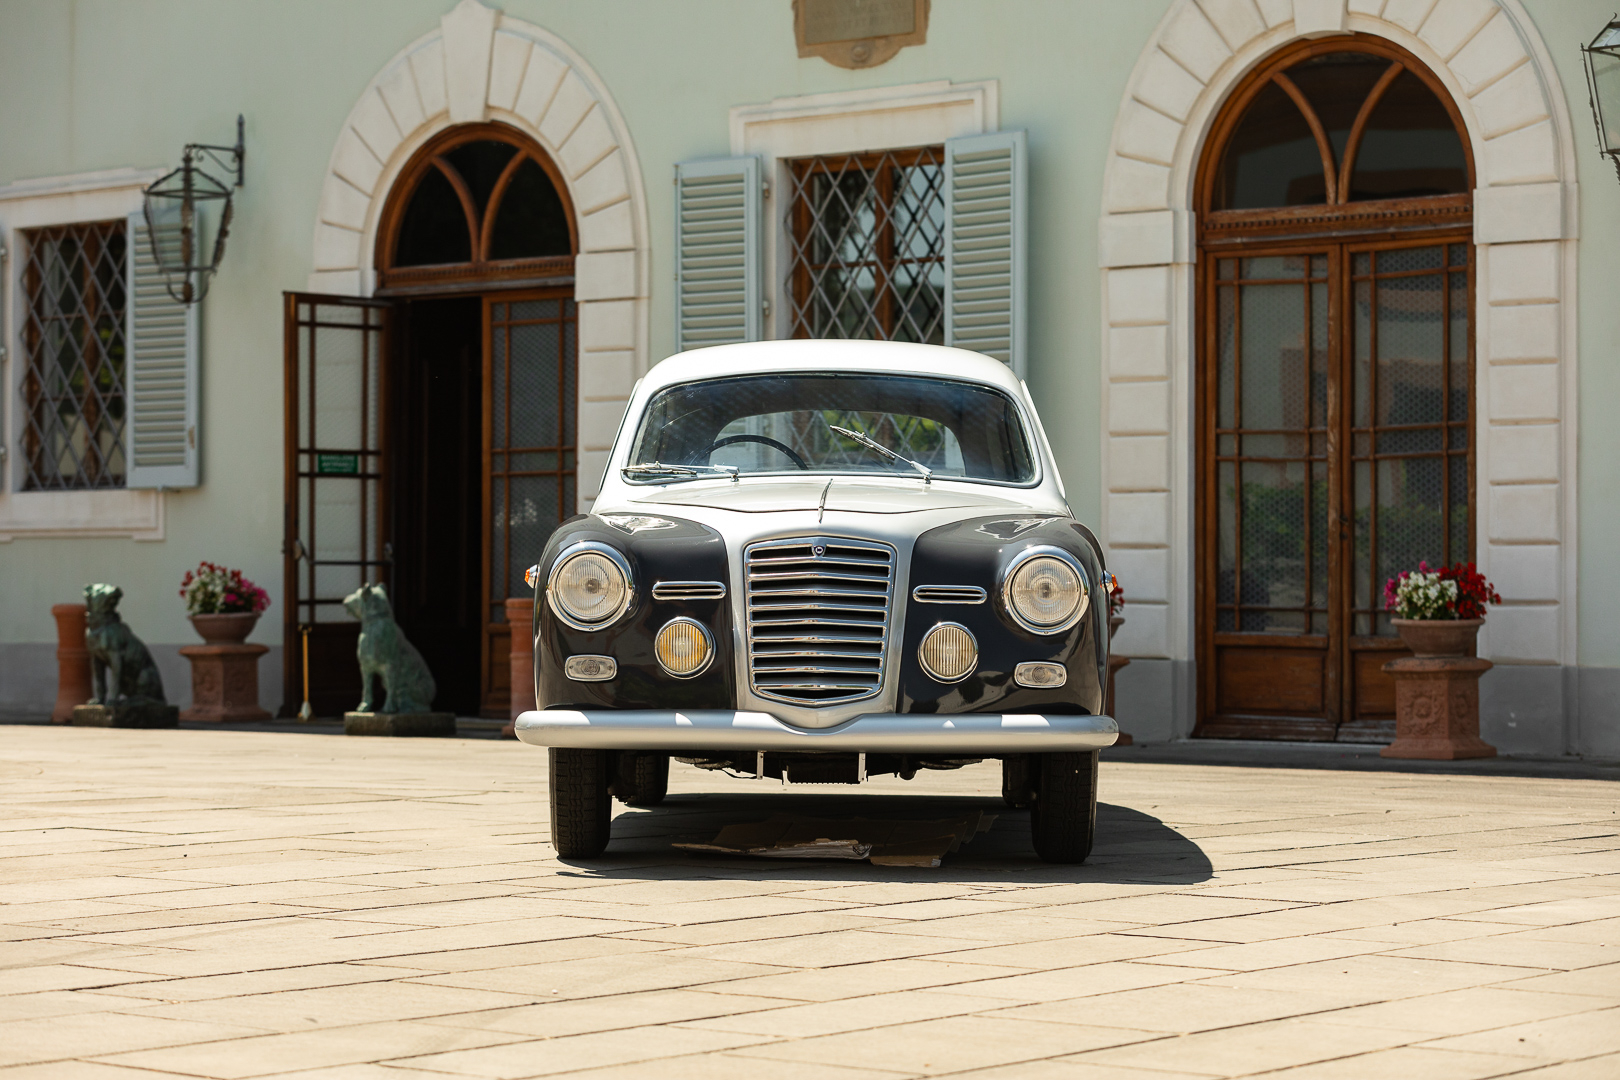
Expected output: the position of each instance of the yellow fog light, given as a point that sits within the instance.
(684, 647)
(949, 653)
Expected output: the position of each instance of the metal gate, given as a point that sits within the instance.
(335, 535)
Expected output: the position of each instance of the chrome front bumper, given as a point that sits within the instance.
(965, 734)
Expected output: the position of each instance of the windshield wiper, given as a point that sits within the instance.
(659, 468)
(873, 444)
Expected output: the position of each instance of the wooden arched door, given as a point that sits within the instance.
(1334, 382)
(462, 372)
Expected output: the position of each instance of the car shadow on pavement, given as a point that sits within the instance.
(1131, 845)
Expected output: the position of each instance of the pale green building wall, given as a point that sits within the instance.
(100, 84)
(1565, 25)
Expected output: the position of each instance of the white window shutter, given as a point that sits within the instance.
(719, 232)
(986, 246)
(161, 375)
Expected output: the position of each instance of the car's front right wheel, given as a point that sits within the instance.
(581, 808)
(1063, 814)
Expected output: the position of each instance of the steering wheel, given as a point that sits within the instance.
(763, 440)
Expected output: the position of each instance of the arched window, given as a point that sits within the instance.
(479, 203)
(1335, 381)
(1335, 124)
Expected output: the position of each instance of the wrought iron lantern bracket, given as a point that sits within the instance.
(1602, 62)
(182, 249)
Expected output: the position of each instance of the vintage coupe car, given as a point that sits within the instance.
(817, 561)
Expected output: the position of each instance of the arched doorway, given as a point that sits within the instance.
(432, 435)
(1335, 421)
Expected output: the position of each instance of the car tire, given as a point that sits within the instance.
(581, 808)
(1063, 817)
(1016, 780)
(649, 776)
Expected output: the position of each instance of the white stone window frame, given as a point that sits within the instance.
(481, 65)
(117, 512)
(847, 122)
(1496, 68)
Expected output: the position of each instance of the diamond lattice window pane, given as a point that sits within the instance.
(867, 246)
(73, 356)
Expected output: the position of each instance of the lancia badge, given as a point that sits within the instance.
(818, 550)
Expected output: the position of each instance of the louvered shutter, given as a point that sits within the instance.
(987, 194)
(719, 286)
(161, 374)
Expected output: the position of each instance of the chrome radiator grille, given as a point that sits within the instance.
(818, 618)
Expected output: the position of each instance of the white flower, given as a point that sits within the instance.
(1424, 596)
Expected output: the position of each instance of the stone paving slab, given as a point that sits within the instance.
(236, 905)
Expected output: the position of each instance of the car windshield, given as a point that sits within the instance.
(789, 423)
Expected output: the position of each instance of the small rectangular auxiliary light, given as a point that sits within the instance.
(591, 668)
(1040, 674)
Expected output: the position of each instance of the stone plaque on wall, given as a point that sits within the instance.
(858, 33)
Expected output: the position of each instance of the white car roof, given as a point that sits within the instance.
(820, 355)
(828, 355)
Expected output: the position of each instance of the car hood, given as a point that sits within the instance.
(903, 495)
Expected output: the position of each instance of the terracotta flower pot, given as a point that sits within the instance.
(1114, 664)
(1439, 637)
(231, 629)
(72, 661)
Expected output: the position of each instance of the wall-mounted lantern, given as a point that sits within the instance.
(1602, 58)
(188, 238)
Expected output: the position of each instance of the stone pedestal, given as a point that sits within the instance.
(412, 725)
(224, 683)
(1437, 708)
(72, 661)
(520, 617)
(139, 714)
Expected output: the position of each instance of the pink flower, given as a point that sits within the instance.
(1391, 587)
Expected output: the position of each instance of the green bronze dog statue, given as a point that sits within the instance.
(385, 654)
(121, 669)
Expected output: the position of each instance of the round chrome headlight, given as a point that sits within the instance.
(948, 652)
(684, 647)
(1045, 590)
(589, 588)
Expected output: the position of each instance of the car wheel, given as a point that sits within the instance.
(1016, 780)
(649, 775)
(581, 809)
(1063, 817)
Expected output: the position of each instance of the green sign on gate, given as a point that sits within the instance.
(338, 464)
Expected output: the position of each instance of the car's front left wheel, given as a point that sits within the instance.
(581, 808)
(1063, 815)
(647, 776)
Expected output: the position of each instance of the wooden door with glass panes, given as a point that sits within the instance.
(1334, 419)
(1336, 453)
(531, 458)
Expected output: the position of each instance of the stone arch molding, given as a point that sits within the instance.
(1488, 54)
(483, 65)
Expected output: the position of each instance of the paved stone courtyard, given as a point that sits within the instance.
(243, 904)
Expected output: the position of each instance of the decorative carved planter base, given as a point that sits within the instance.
(72, 661)
(224, 683)
(146, 714)
(412, 725)
(1437, 708)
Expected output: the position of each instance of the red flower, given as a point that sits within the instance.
(215, 589)
(1473, 591)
